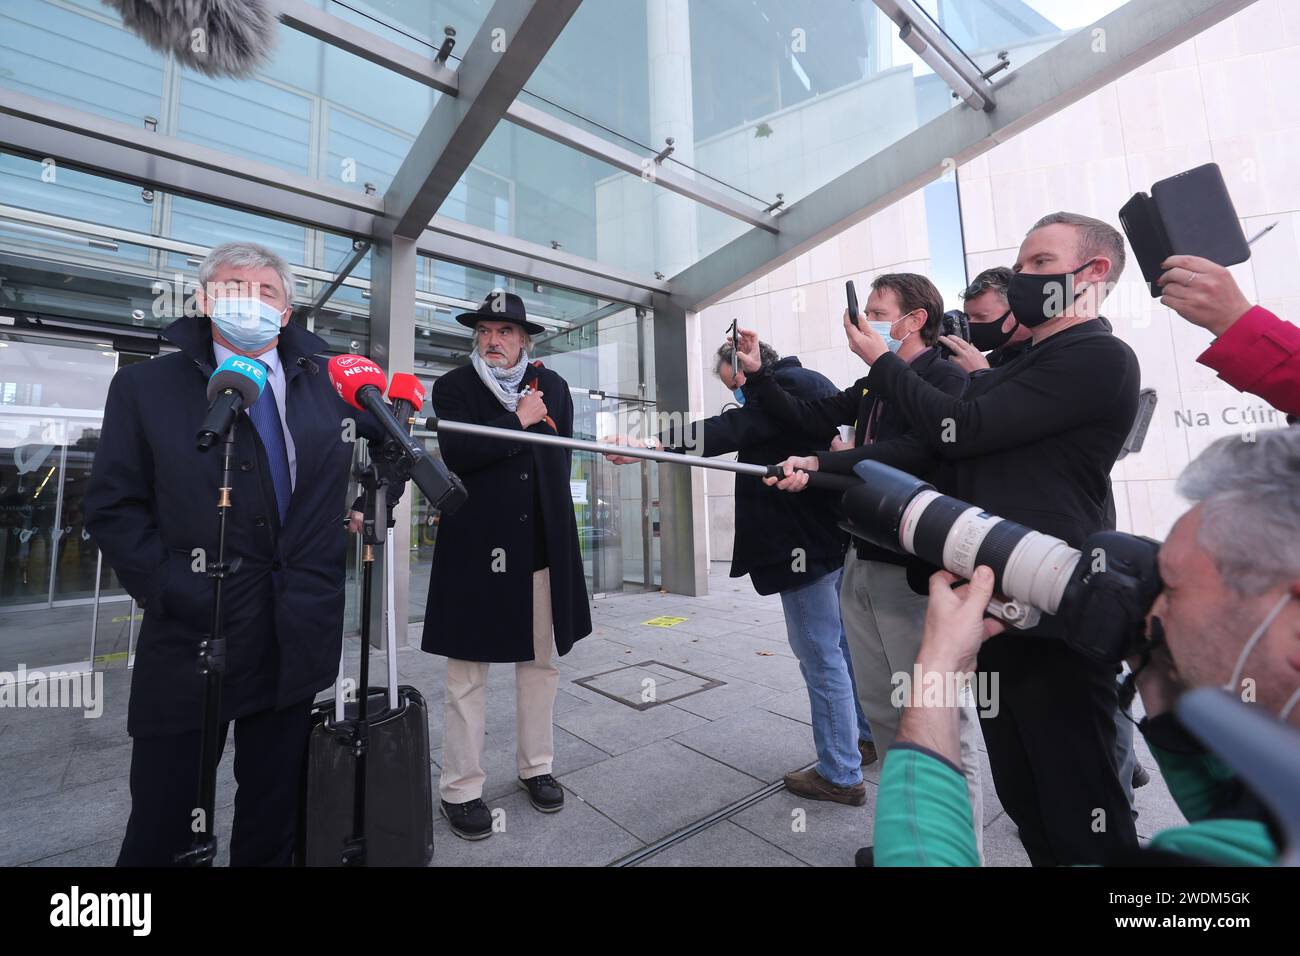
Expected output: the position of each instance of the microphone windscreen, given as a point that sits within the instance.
(406, 386)
(216, 37)
(246, 376)
(350, 373)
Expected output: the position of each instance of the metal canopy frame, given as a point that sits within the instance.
(484, 91)
(301, 16)
(502, 56)
(919, 31)
(1137, 32)
(1134, 34)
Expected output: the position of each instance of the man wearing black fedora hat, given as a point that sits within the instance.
(507, 582)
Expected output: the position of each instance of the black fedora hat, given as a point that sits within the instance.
(501, 307)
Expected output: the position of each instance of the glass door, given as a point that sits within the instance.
(52, 393)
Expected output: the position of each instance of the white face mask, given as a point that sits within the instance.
(1234, 685)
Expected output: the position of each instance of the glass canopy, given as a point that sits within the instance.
(766, 101)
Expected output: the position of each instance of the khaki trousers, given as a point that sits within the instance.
(883, 621)
(465, 702)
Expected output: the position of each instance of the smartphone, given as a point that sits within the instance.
(852, 295)
(735, 347)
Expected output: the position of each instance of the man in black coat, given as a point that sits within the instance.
(507, 583)
(1034, 441)
(790, 546)
(151, 507)
(993, 329)
(883, 617)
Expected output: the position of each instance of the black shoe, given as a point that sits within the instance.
(544, 793)
(865, 856)
(469, 821)
(1140, 776)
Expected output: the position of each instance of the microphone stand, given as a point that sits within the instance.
(374, 533)
(212, 665)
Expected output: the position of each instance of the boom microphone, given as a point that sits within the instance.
(360, 383)
(216, 37)
(235, 385)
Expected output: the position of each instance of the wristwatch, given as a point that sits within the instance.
(652, 442)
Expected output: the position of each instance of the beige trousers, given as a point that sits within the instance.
(883, 621)
(464, 705)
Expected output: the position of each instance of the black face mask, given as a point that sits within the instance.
(987, 336)
(1035, 299)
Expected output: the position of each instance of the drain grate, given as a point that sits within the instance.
(648, 684)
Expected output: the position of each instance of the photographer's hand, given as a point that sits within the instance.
(1158, 684)
(964, 355)
(955, 627)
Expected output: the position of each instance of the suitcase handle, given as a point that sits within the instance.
(390, 644)
(390, 614)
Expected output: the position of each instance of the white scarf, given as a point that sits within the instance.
(502, 382)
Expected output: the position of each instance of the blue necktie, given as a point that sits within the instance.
(266, 419)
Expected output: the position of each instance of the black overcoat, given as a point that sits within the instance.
(480, 591)
(151, 502)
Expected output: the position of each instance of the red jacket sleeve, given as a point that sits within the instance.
(1260, 354)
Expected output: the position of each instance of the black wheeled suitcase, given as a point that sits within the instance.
(398, 788)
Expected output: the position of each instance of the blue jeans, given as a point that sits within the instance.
(812, 621)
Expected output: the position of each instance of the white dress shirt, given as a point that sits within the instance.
(275, 380)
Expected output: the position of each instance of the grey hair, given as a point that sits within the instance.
(767, 356)
(1250, 494)
(528, 340)
(1096, 238)
(246, 255)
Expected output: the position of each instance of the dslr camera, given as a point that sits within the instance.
(1102, 593)
(955, 322)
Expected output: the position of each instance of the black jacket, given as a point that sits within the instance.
(770, 524)
(1005, 354)
(895, 442)
(1034, 440)
(151, 502)
(481, 588)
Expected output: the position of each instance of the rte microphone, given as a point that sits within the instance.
(234, 386)
(360, 383)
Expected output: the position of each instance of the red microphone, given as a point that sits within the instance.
(360, 383)
(350, 374)
(405, 387)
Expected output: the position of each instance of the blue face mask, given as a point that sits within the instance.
(247, 324)
(883, 330)
(740, 396)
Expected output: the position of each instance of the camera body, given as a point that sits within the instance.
(955, 322)
(1101, 594)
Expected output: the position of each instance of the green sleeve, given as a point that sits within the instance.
(923, 814)
(1222, 842)
(1196, 781)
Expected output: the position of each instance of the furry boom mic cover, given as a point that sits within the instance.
(216, 37)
